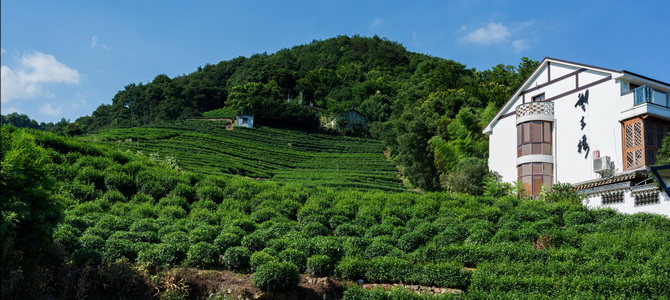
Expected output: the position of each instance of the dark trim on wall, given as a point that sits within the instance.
(597, 82)
(553, 81)
(566, 93)
(507, 115)
(548, 71)
(584, 65)
(576, 81)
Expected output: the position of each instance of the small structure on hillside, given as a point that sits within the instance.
(245, 121)
(350, 120)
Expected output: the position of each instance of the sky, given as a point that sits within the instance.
(63, 59)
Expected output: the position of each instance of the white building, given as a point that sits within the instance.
(595, 128)
(244, 121)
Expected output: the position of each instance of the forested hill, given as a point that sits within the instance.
(429, 111)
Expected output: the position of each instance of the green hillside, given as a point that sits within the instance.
(85, 221)
(428, 111)
(282, 155)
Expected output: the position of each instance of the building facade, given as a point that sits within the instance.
(595, 128)
(244, 121)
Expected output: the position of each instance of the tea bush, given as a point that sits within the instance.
(237, 259)
(276, 276)
(319, 265)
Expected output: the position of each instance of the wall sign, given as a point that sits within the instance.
(583, 144)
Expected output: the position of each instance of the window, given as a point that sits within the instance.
(534, 138)
(642, 138)
(539, 97)
(646, 199)
(612, 198)
(534, 175)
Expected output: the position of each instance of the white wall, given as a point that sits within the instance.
(628, 206)
(602, 128)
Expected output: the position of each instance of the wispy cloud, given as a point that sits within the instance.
(519, 45)
(94, 43)
(513, 36)
(49, 110)
(490, 34)
(33, 72)
(376, 22)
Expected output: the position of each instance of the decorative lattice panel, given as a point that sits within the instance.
(633, 135)
(535, 108)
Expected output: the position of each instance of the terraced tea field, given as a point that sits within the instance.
(285, 156)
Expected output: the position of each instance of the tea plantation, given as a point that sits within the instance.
(285, 156)
(123, 208)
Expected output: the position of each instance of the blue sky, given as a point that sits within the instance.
(62, 59)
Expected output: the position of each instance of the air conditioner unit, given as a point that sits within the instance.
(602, 164)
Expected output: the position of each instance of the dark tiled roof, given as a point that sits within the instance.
(627, 176)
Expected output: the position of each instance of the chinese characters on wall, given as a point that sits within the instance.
(583, 144)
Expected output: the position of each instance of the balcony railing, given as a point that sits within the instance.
(646, 94)
(539, 108)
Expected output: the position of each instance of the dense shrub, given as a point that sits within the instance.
(246, 224)
(114, 223)
(379, 229)
(276, 276)
(172, 212)
(296, 257)
(319, 265)
(143, 225)
(260, 258)
(349, 230)
(314, 229)
(167, 254)
(185, 191)
(202, 255)
(142, 198)
(378, 248)
(350, 268)
(91, 241)
(213, 193)
(237, 259)
(121, 182)
(336, 221)
(203, 233)
(226, 240)
(113, 196)
(87, 256)
(256, 240)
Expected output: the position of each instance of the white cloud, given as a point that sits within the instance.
(49, 110)
(2, 51)
(33, 72)
(519, 45)
(377, 22)
(94, 43)
(492, 33)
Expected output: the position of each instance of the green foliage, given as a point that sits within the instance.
(276, 276)
(226, 240)
(202, 255)
(259, 258)
(320, 265)
(663, 156)
(296, 257)
(537, 248)
(237, 259)
(468, 176)
(561, 192)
